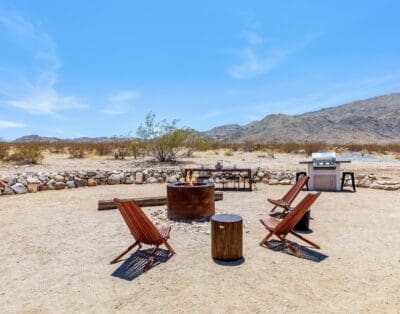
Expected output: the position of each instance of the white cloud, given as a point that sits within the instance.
(253, 65)
(35, 92)
(253, 38)
(11, 124)
(120, 102)
(112, 112)
(124, 96)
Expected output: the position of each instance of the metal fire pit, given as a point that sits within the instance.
(187, 201)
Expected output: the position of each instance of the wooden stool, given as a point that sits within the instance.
(226, 237)
(353, 183)
(301, 173)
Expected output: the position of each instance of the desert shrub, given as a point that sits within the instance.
(163, 140)
(76, 150)
(4, 149)
(102, 149)
(27, 153)
(312, 147)
(137, 148)
(195, 142)
(248, 146)
(55, 147)
(228, 152)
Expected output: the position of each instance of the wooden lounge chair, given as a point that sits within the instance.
(289, 197)
(282, 227)
(142, 229)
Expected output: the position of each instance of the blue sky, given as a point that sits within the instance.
(95, 68)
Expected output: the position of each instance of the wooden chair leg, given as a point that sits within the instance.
(289, 246)
(170, 249)
(266, 238)
(150, 259)
(273, 209)
(305, 240)
(116, 260)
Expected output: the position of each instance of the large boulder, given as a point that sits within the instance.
(139, 178)
(60, 185)
(172, 179)
(129, 180)
(32, 181)
(33, 187)
(114, 179)
(152, 180)
(71, 184)
(59, 178)
(100, 175)
(365, 182)
(8, 191)
(2, 185)
(23, 181)
(11, 180)
(273, 182)
(19, 188)
(91, 182)
(285, 182)
(80, 182)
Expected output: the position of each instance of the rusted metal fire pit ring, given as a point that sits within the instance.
(185, 201)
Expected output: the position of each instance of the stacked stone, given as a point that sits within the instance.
(41, 181)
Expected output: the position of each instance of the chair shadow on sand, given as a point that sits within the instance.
(134, 266)
(305, 252)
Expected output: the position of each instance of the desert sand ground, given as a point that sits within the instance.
(55, 250)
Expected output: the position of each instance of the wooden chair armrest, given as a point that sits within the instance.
(280, 203)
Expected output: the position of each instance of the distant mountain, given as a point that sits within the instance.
(374, 120)
(37, 138)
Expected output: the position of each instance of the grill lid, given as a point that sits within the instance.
(324, 156)
(324, 160)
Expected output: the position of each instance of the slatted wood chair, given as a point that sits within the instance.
(289, 197)
(142, 229)
(282, 227)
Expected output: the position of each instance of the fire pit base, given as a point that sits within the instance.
(185, 201)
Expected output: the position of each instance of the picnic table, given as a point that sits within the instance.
(189, 171)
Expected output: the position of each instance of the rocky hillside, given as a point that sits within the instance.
(374, 120)
(37, 138)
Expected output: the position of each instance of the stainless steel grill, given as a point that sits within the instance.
(324, 160)
(324, 171)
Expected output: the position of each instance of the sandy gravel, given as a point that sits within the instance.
(55, 250)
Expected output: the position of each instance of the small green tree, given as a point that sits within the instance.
(136, 148)
(163, 139)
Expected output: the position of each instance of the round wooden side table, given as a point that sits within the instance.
(226, 237)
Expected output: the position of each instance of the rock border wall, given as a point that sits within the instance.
(32, 182)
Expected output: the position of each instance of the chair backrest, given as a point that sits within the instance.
(139, 224)
(288, 223)
(295, 190)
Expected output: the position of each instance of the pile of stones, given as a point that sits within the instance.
(32, 182)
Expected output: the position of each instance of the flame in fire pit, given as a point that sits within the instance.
(191, 179)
